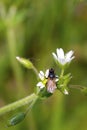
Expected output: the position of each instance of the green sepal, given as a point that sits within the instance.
(62, 66)
(63, 83)
(62, 89)
(44, 94)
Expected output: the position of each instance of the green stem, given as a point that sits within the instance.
(62, 73)
(18, 103)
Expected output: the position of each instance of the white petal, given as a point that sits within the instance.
(66, 92)
(69, 59)
(17, 57)
(47, 73)
(69, 54)
(55, 56)
(41, 75)
(72, 57)
(56, 76)
(60, 53)
(41, 85)
(56, 80)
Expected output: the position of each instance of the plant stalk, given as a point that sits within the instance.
(18, 103)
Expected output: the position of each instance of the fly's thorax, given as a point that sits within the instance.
(51, 74)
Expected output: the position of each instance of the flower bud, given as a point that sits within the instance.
(16, 119)
(25, 62)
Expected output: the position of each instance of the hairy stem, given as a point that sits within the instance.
(62, 72)
(18, 103)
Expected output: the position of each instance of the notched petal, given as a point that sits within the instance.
(47, 73)
(60, 53)
(55, 56)
(41, 85)
(41, 75)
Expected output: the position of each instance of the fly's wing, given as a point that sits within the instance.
(51, 86)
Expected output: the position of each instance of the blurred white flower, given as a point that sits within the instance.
(62, 58)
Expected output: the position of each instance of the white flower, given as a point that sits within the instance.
(43, 77)
(62, 58)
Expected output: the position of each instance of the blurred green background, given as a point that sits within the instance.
(34, 29)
